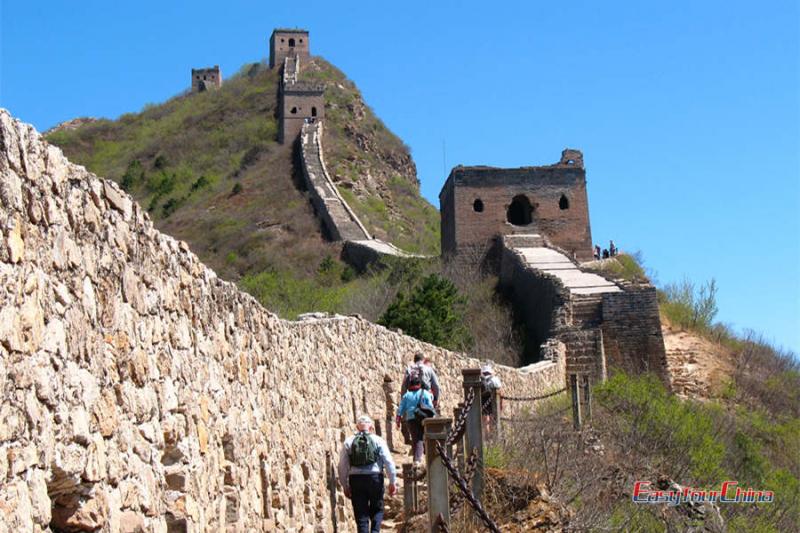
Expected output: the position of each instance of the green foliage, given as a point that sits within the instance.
(688, 305)
(495, 456)
(134, 175)
(200, 183)
(680, 431)
(289, 296)
(171, 205)
(237, 188)
(433, 312)
(628, 267)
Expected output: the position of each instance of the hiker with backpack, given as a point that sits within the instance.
(362, 461)
(415, 406)
(490, 384)
(426, 376)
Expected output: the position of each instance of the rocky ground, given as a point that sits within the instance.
(697, 366)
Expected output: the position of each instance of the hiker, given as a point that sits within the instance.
(489, 384)
(362, 460)
(596, 252)
(605, 253)
(612, 249)
(415, 406)
(426, 375)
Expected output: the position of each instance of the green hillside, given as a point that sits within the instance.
(208, 169)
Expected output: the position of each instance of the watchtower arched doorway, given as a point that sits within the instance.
(520, 211)
(313, 111)
(291, 43)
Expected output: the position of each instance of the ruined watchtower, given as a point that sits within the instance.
(286, 42)
(479, 204)
(204, 79)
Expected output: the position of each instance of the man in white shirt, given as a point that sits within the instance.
(362, 461)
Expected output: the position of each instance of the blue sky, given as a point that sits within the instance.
(688, 113)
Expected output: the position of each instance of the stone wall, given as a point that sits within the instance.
(142, 393)
(632, 334)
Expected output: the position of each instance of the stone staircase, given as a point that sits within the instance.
(341, 222)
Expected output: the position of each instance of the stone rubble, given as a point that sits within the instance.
(142, 393)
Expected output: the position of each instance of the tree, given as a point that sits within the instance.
(433, 312)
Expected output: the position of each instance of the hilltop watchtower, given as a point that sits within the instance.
(479, 204)
(300, 102)
(204, 79)
(287, 43)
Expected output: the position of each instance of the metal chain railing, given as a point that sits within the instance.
(460, 424)
(469, 471)
(464, 488)
(533, 398)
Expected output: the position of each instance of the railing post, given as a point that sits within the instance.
(576, 401)
(438, 482)
(474, 431)
(496, 413)
(587, 396)
(409, 503)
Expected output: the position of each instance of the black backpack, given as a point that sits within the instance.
(416, 372)
(423, 412)
(363, 450)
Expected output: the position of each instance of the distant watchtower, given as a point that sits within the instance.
(287, 43)
(479, 204)
(204, 79)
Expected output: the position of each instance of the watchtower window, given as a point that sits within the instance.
(294, 111)
(563, 203)
(291, 43)
(477, 205)
(520, 211)
(204, 76)
(313, 111)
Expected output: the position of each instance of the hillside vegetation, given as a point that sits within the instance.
(208, 169)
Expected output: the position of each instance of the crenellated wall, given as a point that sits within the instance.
(142, 393)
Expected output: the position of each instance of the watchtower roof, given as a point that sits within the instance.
(289, 30)
(484, 175)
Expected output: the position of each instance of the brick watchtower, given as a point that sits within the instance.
(287, 43)
(204, 79)
(300, 101)
(478, 204)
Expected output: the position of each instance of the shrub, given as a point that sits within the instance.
(134, 175)
(237, 188)
(201, 182)
(160, 163)
(433, 312)
(689, 306)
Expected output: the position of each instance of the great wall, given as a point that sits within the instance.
(143, 393)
